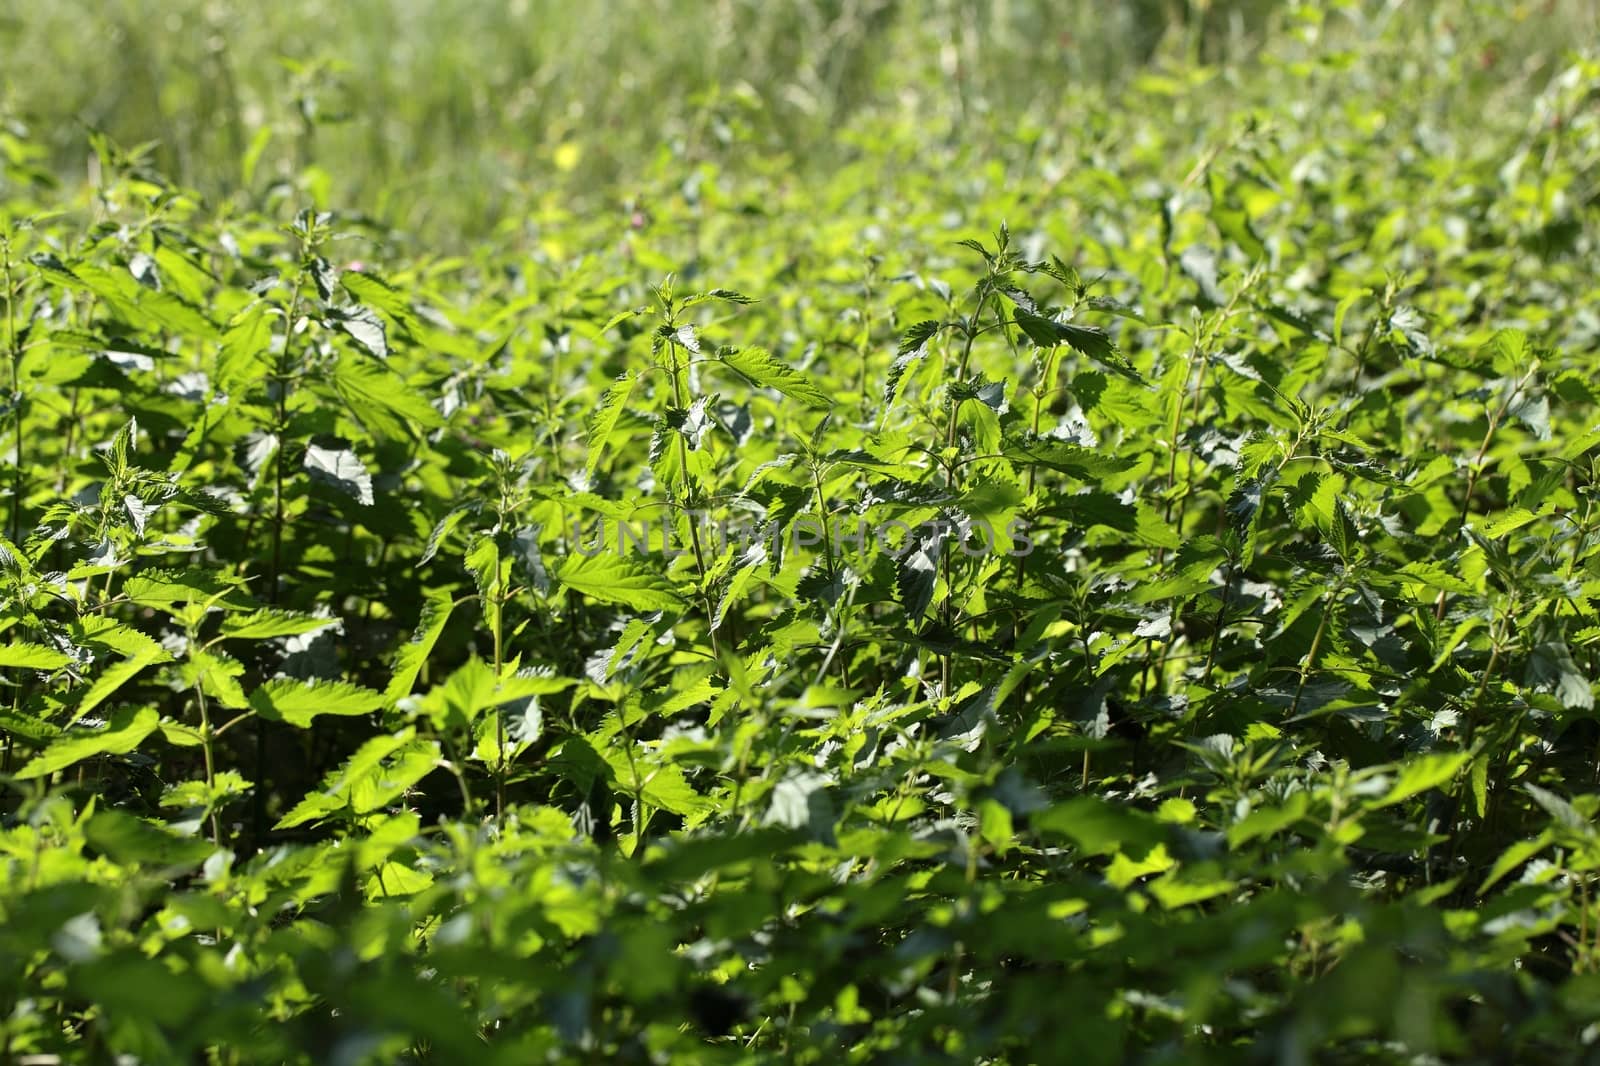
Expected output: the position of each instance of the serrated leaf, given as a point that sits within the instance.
(336, 464)
(1095, 343)
(113, 678)
(913, 346)
(245, 346)
(1114, 307)
(443, 528)
(1552, 668)
(605, 419)
(270, 622)
(299, 702)
(21, 655)
(379, 399)
(1560, 811)
(917, 573)
(725, 295)
(1199, 264)
(1412, 328)
(1514, 856)
(413, 655)
(363, 326)
(125, 732)
(610, 579)
(57, 272)
(219, 677)
(763, 369)
(917, 336)
(1512, 520)
(1422, 773)
(371, 290)
(1090, 464)
(324, 276)
(1232, 220)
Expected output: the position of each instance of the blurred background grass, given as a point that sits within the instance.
(441, 117)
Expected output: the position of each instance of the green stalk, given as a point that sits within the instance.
(499, 719)
(833, 565)
(694, 527)
(1476, 472)
(14, 359)
(282, 376)
(206, 745)
(1311, 654)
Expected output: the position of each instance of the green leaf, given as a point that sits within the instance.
(270, 622)
(489, 574)
(917, 573)
(413, 655)
(605, 418)
(218, 676)
(135, 841)
(165, 588)
(117, 675)
(1560, 811)
(1095, 343)
(374, 291)
(443, 528)
(1515, 855)
(1551, 667)
(379, 399)
(725, 295)
(25, 656)
(125, 732)
(57, 272)
(609, 579)
(1512, 520)
(763, 369)
(1268, 820)
(363, 326)
(1422, 773)
(298, 702)
(337, 464)
(245, 347)
(1089, 464)
(1100, 827)
(913, 346)
(1199, 264)
(801, 800)
(1232, 220)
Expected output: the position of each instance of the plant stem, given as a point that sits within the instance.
(14, 358)
(694, 527)
(282, 377)
(1476, 471)
(1311, 655)
(499, 719)
(206, 738)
